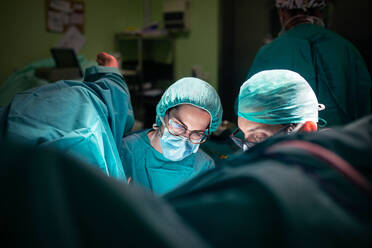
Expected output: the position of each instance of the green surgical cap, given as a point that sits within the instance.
(195, 92)
(277, 97)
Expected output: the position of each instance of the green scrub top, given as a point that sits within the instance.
(332, 66)
(149, 168)
(86, 119)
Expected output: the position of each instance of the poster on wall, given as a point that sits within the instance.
(63, 14)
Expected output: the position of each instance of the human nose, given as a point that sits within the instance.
(187, 134)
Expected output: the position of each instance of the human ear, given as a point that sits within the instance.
(309, 127)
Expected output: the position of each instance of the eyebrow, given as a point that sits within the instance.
(255, 129)
(185, 126)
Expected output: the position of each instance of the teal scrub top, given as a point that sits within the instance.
(85, 119)
(149, 168)
(332, 66)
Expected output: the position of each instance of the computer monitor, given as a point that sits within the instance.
(65, 58)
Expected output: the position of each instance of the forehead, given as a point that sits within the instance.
(193, 117)
(245, 124)
(249, 126)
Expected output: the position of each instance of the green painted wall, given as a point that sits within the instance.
(24, 38)
(200, 46)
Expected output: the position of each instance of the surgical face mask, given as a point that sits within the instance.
(176, 148)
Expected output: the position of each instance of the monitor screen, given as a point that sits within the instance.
(65, 57)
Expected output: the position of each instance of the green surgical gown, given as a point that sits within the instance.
(86, 119)
(332, 66)
(149, 168)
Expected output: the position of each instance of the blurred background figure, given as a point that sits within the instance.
(86, 119)
(332, 65)
(167, 155)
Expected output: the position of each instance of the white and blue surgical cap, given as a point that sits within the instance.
(300, 4)
(193, 91)
(277, 97)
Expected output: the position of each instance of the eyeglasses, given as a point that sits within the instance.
(238, 138)
(177, 129)
(241, 142)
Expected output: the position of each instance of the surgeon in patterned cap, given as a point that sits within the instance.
(329, 63)
(294, 12)
(161, 158)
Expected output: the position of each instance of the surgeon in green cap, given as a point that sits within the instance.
(168, 155)
(274, 102)
(331, 64)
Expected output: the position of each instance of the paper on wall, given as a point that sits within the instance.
(77, 6)
(76, 18)
(55, 21)
(60, 5)
(66, 18)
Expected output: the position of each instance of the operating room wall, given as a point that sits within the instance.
(352, 20)
(198, 47)
(244, 27)
(25, 39)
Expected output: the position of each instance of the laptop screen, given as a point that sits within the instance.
(65, 57)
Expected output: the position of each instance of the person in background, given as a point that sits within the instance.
(168, 155)
(85, 119)
(332, 65)
(274, 102)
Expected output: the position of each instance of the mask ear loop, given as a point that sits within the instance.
(155, 126)
(321, 122)
(158, 128)
(157, 132)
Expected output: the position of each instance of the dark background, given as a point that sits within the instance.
(244, 26)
